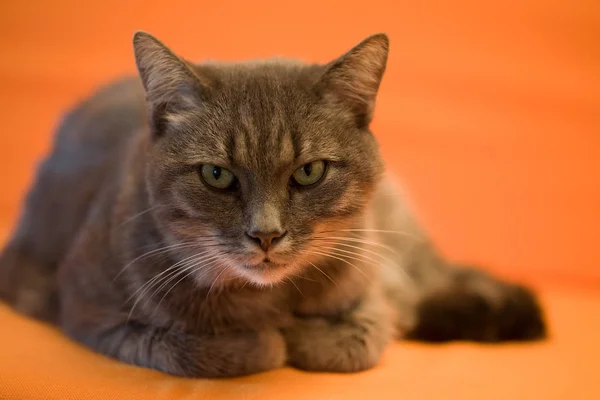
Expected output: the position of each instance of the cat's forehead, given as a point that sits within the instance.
(269, 135)
(269, 73)
(264, 115)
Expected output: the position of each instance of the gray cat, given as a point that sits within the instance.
(223, 219)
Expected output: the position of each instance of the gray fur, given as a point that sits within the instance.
(124, 247)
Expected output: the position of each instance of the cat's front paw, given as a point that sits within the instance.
(237, 354)
(317, 344)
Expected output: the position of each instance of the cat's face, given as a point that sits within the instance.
(258, 162)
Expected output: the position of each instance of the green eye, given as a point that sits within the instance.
(310, 173)
(217, 177)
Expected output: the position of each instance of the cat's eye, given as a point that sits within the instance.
(217, 177)
(310, 173)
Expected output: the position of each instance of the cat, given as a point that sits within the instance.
(223, 219)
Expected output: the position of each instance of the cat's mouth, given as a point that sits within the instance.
(266, 271)
(266, 263)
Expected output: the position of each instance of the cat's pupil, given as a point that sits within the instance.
(216, 173)
(307, 169)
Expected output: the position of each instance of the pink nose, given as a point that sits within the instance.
(266, 239)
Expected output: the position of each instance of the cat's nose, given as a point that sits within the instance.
(266, 239)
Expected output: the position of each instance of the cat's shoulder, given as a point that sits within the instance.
(106, 113)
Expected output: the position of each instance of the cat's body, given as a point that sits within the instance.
(124, 248)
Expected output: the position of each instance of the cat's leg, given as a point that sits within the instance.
(55, 207)
(442, 302)
(29, 262)
(28, 283)
(94, 310)
(176, 352)
(436, 301)
(348, 342)
(469, 304)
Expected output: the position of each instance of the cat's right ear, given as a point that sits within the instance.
(172, 87)
(353, 79)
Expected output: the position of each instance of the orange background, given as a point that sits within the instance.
(489, 111)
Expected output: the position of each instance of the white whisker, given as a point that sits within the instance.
(156, 252)
(341, 259)
(358, 240)
(404, 233)
(296, 286)
(321, 271)
(197, 268)
(185, 267)
(244, 285)
(157, 279)
(214, 282)
(128, 220)
(152, 280)
(379, 263)
(304, 277)
(351, 253)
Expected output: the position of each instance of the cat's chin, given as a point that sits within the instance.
(266, 273)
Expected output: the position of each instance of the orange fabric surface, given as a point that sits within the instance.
(40, 363)
(490, 114)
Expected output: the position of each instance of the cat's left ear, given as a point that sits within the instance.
(353, 79)
(172, 87)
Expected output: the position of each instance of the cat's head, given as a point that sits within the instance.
(257, 161)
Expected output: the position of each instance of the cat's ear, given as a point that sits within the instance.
(354, 78)
(172, 87)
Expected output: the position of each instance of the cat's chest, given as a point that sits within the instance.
(234, 309)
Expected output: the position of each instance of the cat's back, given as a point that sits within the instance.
(104, 120)
(91, 144)
(90, 148)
